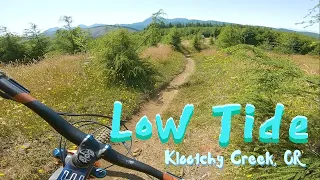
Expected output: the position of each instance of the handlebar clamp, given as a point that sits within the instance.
(81, 163)
(88, 152)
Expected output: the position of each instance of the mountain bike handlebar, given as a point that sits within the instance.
(11, 89)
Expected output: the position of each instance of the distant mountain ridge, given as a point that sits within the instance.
(97, 30)
(94, 30)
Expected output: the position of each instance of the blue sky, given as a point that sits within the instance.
(16, 15)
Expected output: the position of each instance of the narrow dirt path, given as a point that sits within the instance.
(152, 150)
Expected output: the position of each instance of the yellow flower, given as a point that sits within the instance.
(249, 175)
(2, 174)
(40, 171)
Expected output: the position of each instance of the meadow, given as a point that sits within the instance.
(66, 84)
(73, 72)
(248, 75)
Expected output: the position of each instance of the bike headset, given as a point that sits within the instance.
(89, 150)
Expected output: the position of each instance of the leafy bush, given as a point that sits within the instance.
(11, 48)
(295, 43)
(120, 61)
(316, 48)
(268, 36)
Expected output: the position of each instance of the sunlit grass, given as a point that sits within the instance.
(67, 84)
(241, 75)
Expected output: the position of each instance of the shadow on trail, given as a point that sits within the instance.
(123, 175)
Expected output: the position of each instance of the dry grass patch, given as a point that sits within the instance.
(308, 63)
(49, 73)
(208, 52)
(162, 52)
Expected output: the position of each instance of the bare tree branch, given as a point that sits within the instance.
(68, 20)
(314, 18)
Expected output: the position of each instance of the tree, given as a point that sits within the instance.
(158, 17)
(68, 20)
(229, 36)
(269, 36)
(249, 36)
(215, 32)
(11, 47)
(295, 43)
(196, 42)
(37, 43)
(121, 61)
(71, 40)
(174, 38)
(153, 32)
(314, 15)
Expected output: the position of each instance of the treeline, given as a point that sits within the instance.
(33, 45)
(192, 24)
(266, 38)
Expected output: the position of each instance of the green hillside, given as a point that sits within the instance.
(97, 30)
(94, 32)
(102, 30)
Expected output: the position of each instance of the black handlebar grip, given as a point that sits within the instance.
(62, 126)
(16, 92)
(119, 159)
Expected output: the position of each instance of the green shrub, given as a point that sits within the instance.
(120, 62)
(196, 42)
(71, 41)
(316, 48)
(174, 38)
(229, 36)
(249, 36)
(269, 81)
(211, 41)
(12, 48)
(153, 34)
(37, 44)
(295, 43)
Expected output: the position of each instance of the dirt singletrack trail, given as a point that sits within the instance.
(152, 151)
